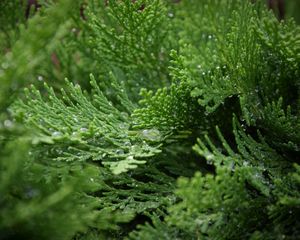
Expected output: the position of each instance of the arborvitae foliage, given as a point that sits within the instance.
(141, 119)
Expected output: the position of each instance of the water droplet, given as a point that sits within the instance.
(134, 148)
(4, 65)
(56, 134)
(232, 167)
(119, 151)
(209, 157)
(31, 193)
(124, 114)
(151, 134)
(83, 129)
(40, 78)
(245, 163)
(123, 125)
(8, 123)
(170, 15)
(130, 158)
(209, 37)
(92, 179)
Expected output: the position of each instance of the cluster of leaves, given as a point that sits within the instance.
(180, 121)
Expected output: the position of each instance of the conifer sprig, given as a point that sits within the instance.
(202, 93)
(84, 129)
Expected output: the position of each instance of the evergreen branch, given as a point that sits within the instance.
(35, 45)
(89, 129)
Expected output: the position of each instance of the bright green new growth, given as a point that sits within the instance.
(82, 128)
(177, 120)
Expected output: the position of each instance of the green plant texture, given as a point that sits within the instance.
(149, 119)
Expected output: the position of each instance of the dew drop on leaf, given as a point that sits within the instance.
(56, 134)
(119, 151)
(83, 129)
(8, 123)
(151, 134)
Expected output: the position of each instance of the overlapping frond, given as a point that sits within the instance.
(202, 93)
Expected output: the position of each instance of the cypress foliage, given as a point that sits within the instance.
(149, 119)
